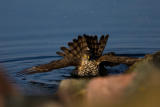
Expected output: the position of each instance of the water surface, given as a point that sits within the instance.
(31, 31)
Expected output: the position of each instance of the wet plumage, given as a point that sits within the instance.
(85, 53)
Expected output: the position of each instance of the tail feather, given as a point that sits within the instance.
(92, 42)
(83, 44)
(102, 44)
(78, 47)
(73, 54)
(71, 46)
(95, 42)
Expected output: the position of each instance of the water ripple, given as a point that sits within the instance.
(27, 58)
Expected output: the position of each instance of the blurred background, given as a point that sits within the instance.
(31, 31)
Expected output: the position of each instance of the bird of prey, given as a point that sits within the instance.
(86, 54)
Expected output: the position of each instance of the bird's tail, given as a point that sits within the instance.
(84, 43)
(102, 43)
(96, 46)
(72, 55)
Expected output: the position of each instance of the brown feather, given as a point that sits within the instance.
(60, 54)
(102, 44)
(47, 67)
(72, 55)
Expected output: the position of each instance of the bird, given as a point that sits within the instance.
(85, 53)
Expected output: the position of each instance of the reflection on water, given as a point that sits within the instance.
(31, 31)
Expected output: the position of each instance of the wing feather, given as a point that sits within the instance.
(72, 55)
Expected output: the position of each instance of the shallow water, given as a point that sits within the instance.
(31, 31)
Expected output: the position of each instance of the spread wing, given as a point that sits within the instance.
(70, 57)
(46, 67)
(111, 59)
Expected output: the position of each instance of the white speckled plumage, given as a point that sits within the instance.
(88, 68)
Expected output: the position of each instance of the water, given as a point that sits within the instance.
(31, 31)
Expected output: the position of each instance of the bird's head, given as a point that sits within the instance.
(86, 55)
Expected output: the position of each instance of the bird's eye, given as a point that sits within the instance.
(84, 56)
(88, 57)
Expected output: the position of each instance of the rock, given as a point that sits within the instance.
(144, 91)
(72, 91)
(108, 89)
(138, 87)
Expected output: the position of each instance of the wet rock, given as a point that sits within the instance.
(138, 86)
(85, 92)
(144, 91)
(72, 91)
(108, 89)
